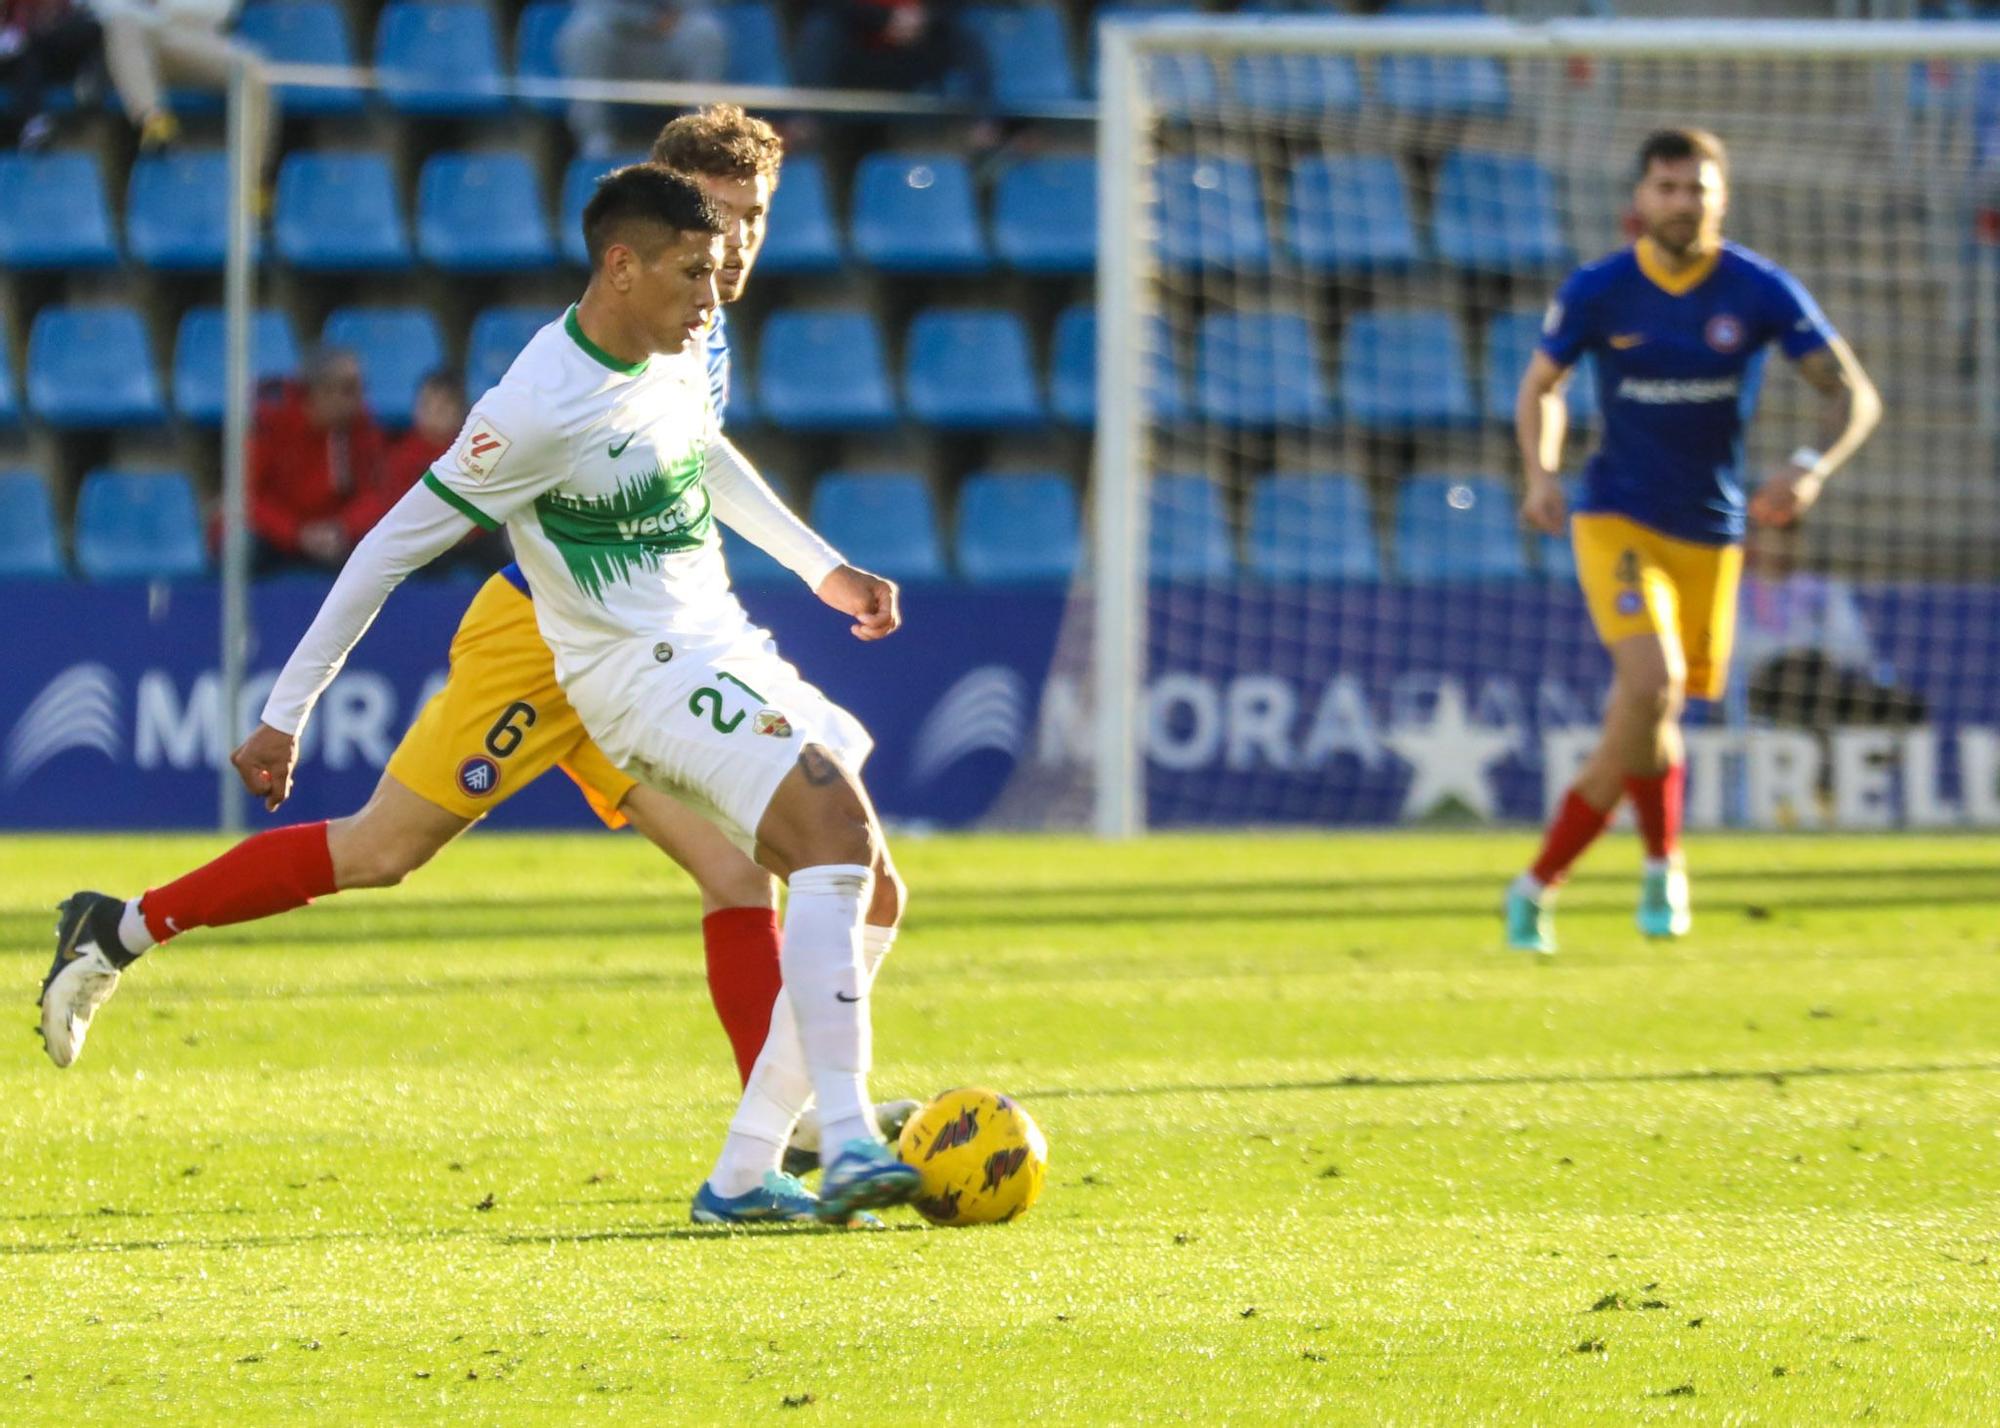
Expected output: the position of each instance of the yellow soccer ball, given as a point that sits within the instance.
(982, 1157)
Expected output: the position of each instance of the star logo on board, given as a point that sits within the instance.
(1450, 754)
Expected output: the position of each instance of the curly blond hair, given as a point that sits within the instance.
(720, 141)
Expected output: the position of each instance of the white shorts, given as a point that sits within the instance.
(717, 726)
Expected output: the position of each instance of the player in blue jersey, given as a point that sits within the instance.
(1676, 327)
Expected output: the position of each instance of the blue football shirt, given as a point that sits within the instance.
(1678, 363)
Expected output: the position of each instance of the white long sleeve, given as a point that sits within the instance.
(417, 530)
(744, 502)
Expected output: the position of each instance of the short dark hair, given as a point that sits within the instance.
(1671, 146)
(645, 194)
(720, 141)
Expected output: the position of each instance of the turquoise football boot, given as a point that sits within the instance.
(1663, 901)
(864, 1176)
(781, 1199)
(1530, 919)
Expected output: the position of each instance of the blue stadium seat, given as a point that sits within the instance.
(1017, 529)
(339, 213)
(535, 50)
(1298, 85)
(803, 236)
(92, 367)
(29, 549)
(1510, 342)
(1402, 371)
(1045, 215)
(498, 335)
(1073, 366)
(1451, 528)
(1211, 215)
(398, 348)
(53, 213)
(914, 213)
(1188, 530)
(199, 348)
(1497, 213)
(304, 32)
(970, 371)
(824, 371)
(139, 526)
(1351, 214)
(439, 60)
(177, 210)
(1258, 370)
(881, 521)
(1027, 54)
(1443, 86)
(10, 396)
(482, 213)
(579, 182)
(1315, 527)
(756, 45)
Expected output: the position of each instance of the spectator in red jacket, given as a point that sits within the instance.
(317, 480)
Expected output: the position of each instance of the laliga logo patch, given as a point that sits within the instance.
(1724, 333)
(478, 776)
(480, 450)
(770, 721)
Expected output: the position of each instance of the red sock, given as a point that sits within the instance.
(1575, 827)
(1657, 800)
(743, 977)
(260, 877)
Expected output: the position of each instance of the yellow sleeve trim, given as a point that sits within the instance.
(459, 503)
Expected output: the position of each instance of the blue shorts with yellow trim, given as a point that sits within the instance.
(501, 721)
(1640, 582)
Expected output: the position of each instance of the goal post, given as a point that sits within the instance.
(1325, 249)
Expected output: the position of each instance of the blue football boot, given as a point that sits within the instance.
(1530, 919)
(781, 1199)
(864, 1176)
(1663, 901)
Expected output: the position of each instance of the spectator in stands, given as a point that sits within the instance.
(889, 44)
(317, 478)
(440, 413)
(42, 43)
(636, 39)
(150, 44)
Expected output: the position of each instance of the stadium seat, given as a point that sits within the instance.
(970, 371)
(339, 213)
(1403, 371)
(880, 521)
(579, 182)
(92, 367)
(304, 32)
(535, 55)
(498, 335)
(1510, 342)
(53, 213)
(1188, 530)
(1073, 366)
(177, 210)
(139, 526)
(803, 236)
(1017, 529)
(1443, 86)
(1298, 85)
(1497, 213)
(482, 213)
(823, 371)
(199, 348)
(10, 395)
(1211, 215)
(1259, 370)
(1451, 528)
(1045, 216)
(756, 48)
(398, 348)
(1179, 84)
(914, 213)
(1351, 214)
(29, 549)
(1315, 527)
(1027, 54)
(439, 60)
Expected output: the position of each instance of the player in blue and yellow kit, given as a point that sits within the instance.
(1676, 327)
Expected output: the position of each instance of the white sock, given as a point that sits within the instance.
(1658, 865)
(820, 955)
(132, 929)
(876, 943)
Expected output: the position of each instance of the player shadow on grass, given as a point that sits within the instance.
(702, 1232)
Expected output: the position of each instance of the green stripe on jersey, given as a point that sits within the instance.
(607, 538)
(459, 503)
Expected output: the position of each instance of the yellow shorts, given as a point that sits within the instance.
(501, 721)
(1639, 582)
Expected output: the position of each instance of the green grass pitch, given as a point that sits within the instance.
(1320, 1153)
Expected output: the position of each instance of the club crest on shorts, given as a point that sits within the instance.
(770, 721)
(1724, 333)
(1630, 602)
(478, 776)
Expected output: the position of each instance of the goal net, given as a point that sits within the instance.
(1328, 249)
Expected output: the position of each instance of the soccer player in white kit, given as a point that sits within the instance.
(599, 452)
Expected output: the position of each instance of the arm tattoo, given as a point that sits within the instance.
(819, 769)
